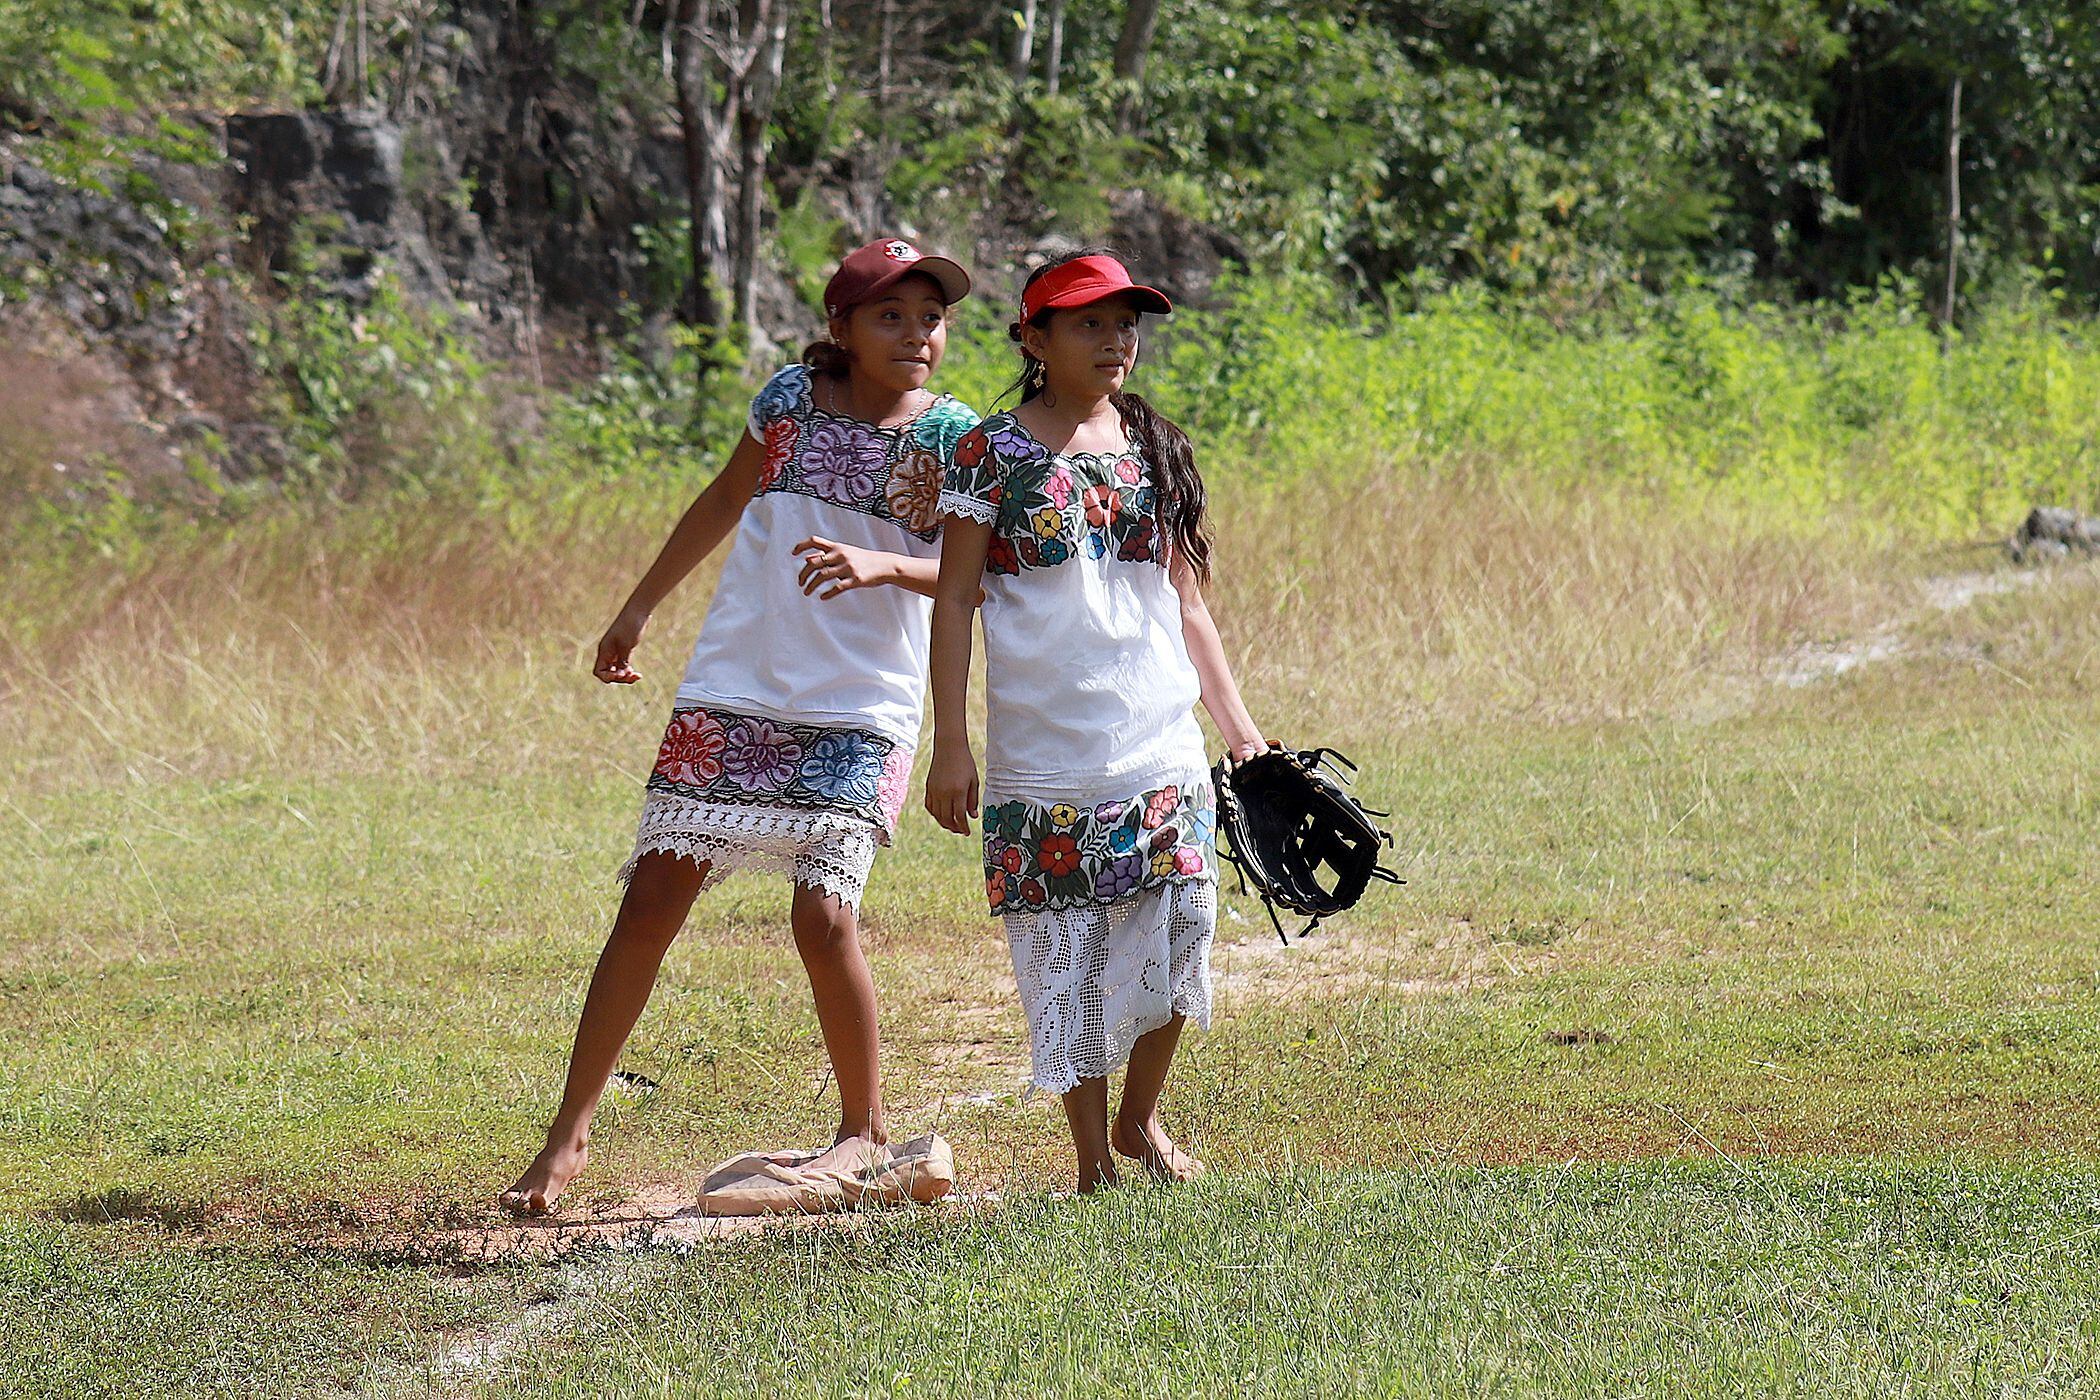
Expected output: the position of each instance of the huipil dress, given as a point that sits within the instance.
(1099, 819)
(790, 741)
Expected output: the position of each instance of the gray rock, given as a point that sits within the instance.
(332, 179)
(103, 261)
(2052, 532)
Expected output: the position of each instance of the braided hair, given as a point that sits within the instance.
(1182, 497)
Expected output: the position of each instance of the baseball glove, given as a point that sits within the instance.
(1292, 830)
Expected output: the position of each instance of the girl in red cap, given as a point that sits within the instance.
(791, 737)
(1080, 514)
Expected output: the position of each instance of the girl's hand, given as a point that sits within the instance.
(1248, 748)
(617, 645)
(951, 787)
(837, 568)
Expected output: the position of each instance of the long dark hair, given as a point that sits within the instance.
(1182, 497)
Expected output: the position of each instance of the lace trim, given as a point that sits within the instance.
(817, 850)
(968, 507)
(1094, 980)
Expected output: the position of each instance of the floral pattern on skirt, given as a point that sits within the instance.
(1062, 856)
(720, 756)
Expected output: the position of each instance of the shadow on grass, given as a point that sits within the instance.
(126, 1205)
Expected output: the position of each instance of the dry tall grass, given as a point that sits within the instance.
(445, 641)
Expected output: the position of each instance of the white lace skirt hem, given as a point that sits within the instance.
(822, 851)
(1095, 979)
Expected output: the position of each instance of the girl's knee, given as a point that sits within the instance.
(824, 928)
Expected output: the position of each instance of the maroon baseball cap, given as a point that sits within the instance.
(869, 271)
(1084, 281)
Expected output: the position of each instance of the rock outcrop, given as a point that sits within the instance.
(2051, 532)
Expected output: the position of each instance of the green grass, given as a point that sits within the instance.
(1665, 1279)
(1798, 933)
(1729, 1038)
(1637, 1280)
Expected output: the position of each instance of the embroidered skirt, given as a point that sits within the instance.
(1062, 856)
(1110, 911)
(744, 792)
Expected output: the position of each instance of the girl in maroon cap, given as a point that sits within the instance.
(1080, 514)
(791, 738)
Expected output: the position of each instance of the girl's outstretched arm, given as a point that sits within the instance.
(1221, 694)
(837, 568)
(951, 779)
(706, 522)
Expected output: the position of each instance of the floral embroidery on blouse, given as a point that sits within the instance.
(1062, 857)
(712, 755)
(1046, 508)
(890, 473)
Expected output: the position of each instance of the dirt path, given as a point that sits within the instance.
(1347, 956)
(1812, 662)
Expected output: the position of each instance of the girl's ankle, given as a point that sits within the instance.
(1096, 1176)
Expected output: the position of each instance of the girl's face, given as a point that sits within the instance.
(1087, 351)
(897, 339)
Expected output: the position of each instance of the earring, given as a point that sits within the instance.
(1048, 396)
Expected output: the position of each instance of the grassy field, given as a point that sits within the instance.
(1731, 1036)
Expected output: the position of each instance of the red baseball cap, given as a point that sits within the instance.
(869, 271)
(1084, 281)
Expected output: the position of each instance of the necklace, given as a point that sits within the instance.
(831, 392)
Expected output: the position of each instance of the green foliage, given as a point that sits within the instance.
(1867, 409)
(2030, 141)
(72, 64)
(638, 418)
(808, 244)
(397, 398)
(1790, 145)
(386, 394)
(1795, 414)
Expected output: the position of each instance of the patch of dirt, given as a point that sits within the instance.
(661, 1217)
(1812, 662)
(1346, 957)
(67, 413)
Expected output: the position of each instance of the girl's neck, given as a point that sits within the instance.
(859, 396)
(1068, 420)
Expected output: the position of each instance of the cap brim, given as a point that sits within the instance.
(947, 274)
(1150, 299)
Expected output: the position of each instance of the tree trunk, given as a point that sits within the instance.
(1953, 201)
(332, 63)
(364, 57)
(1024, 44)
(699, 126)
(766, 29)
(1132, 46)
(1054, 47)
(872, 164)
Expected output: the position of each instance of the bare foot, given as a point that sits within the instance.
(1149, 1145)
(853, 1155)
(544, 1181)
